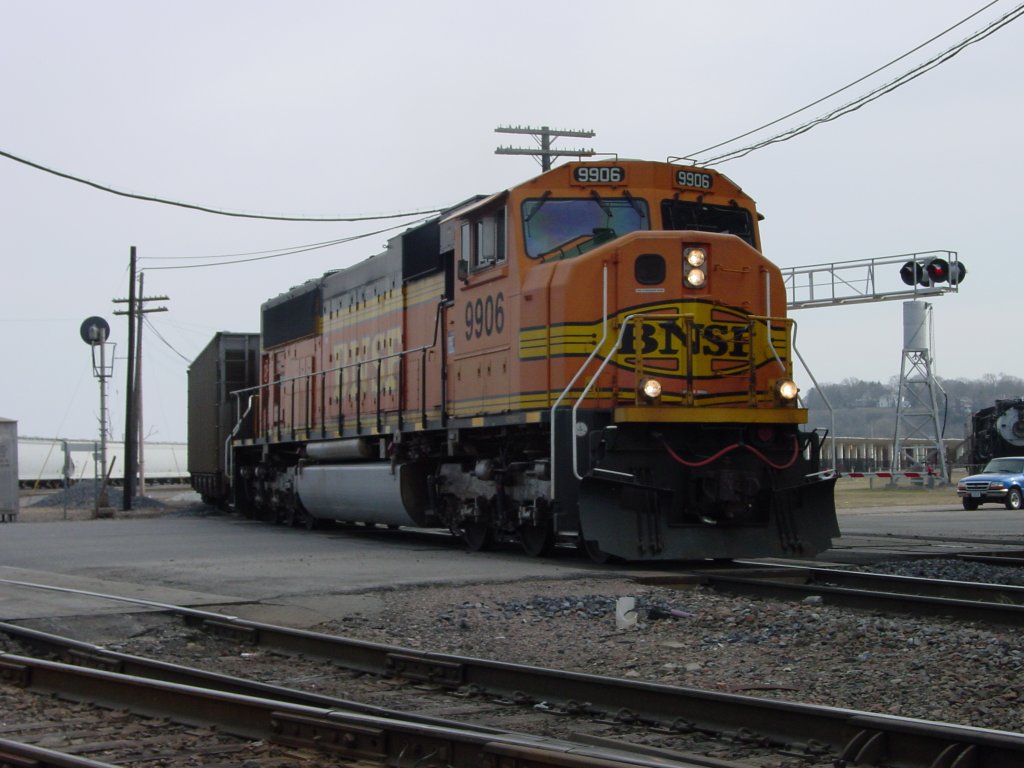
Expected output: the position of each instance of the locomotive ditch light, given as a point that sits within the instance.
(786, 390)
(650, 389)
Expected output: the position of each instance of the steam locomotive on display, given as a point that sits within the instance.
(997, 431)
(599, 356)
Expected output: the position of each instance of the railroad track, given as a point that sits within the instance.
(1005, 559)
(818, 735)
(340, 734)
(971, 601)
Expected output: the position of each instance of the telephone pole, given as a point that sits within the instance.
(544, 136)
(132, 429)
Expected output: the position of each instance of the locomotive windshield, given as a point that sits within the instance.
(563, 228)
(681, 214)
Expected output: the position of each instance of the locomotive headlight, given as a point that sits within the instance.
(651, 389)
(695, 278)
(695, 257)
(786, 389)
(694, 266)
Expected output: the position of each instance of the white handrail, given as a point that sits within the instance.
(586, 390)
(604, 337)
(228, 463)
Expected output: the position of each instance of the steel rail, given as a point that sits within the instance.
(1008, 560)
(1007, 594)
(993, 603)
(855, 736)
(345, 734)
(999, 594)
(16, 753)
(78, 653)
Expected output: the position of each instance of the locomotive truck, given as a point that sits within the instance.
(599, 356)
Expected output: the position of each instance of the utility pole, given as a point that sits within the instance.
(132, 428)
(544, 136)
(138, 391)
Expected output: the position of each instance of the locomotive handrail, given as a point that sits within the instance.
(626, 321)
(228, 463)
(586, 390)
(821, 393)
(568, 388)
(307, 377)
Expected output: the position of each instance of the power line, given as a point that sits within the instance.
(845, 87)
(149, 324)
(867, 98)
(278, 253)
(205, 209)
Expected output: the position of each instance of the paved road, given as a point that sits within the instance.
(228, 560)
(304, 577)
(989, 521)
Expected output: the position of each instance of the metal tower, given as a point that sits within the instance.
(917, 411)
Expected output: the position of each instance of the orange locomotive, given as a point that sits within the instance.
(600, 355)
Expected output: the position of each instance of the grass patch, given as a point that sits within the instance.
(863, 492)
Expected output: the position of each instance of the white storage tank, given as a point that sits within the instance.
(916, 325)
(8, 470)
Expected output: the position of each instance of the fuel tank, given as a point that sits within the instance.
(374, 492)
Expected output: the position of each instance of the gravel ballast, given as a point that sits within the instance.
(934, 669)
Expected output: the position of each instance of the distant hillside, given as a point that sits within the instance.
(868, 408)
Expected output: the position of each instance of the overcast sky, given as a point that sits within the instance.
(346, 109)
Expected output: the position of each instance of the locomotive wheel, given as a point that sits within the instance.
(477, 536)
(537, 540)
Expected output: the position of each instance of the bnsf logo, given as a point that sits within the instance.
(670, 337)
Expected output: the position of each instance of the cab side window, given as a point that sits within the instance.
(483, 241)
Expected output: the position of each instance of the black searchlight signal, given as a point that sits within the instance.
(95, 330)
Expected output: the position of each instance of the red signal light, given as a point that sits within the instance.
(938, 271)
(932, 272)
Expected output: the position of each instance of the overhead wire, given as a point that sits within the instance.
(229, 259)
(865, 99)
(206, 209)
(845, 87)
(167, 344)
(275, 253)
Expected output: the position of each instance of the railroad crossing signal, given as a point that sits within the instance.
(833, 284)
(933, 272)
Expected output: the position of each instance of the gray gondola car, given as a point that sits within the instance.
(8, 470)
(229, 363)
